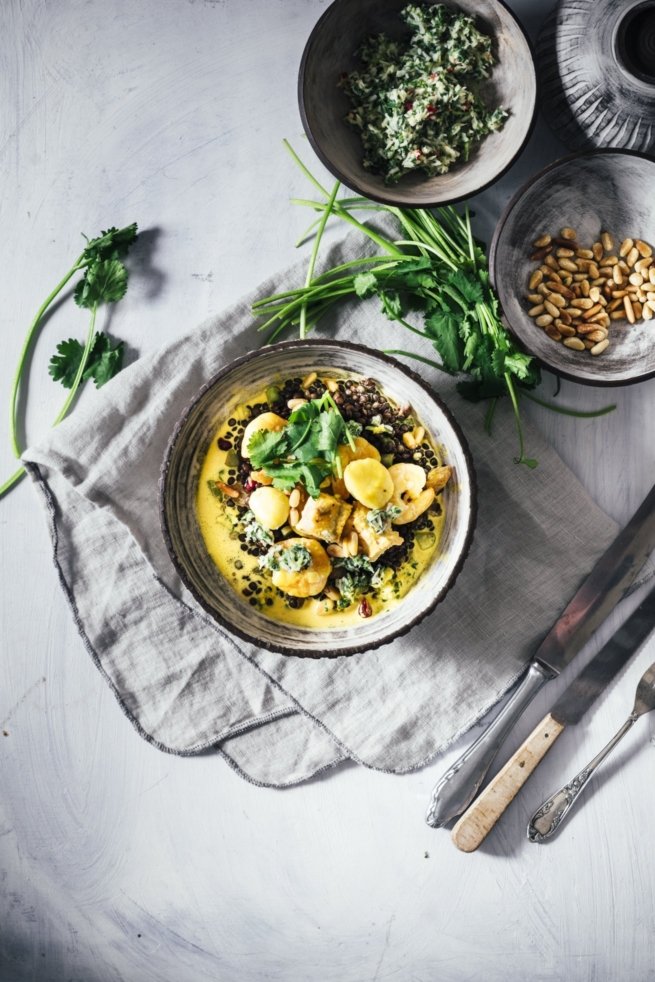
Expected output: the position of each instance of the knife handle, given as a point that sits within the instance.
(476, 823)
(459, 785)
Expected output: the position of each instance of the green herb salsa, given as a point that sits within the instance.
(415, 102)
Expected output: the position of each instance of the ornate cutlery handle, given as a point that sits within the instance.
(459, 785)
(548, 818)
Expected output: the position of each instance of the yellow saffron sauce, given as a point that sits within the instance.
(220, 529)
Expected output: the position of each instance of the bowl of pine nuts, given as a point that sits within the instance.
(573, 262)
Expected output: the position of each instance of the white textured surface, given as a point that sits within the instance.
(116, 861)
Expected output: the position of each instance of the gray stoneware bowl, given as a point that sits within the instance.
(331, 50)
(609, 190)
(179, 480)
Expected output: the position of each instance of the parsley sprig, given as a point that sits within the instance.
(104, 280)
(306, 450)
(434, 266)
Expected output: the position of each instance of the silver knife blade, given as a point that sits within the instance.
(599, 593)
(477, 822)
(599, 672)
(607, 583)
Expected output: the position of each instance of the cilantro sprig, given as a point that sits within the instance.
(104, 280)
(306, 450)
(434, 266)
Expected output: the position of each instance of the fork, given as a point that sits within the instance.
(549, 816)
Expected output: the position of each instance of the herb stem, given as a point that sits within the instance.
(411, 354)
(33, 328)
(312, 260)
(81, 368)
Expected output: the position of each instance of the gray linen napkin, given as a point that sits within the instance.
(188, 686)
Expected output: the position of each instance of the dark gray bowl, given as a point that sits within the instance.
(331, 50)
(604, 190)
(188, 446)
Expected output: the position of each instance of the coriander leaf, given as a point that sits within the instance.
(63, 366)
(442, 327)
(391, 304)
(112, 244)
(105, 361)
(365, 284)
(266, 446)
(329, 432)
(105, 282)
(468, 287)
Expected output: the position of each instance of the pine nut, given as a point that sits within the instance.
(629, 312)
(543, 240)
(632, 256)
(588, 314)
(553, 333)
(551, 308)
(294, 517)
(556, 299)
(567, 264)
(332, 385)
(643, 248)
(625, 248)
(575, 343)
(296, 403)
(584, 303)
(636, 279)
(600, 347)
(535, 279)
(543, 321)
(597, 250)
(567, 233)
(294, 498)
(617, 275)
(607, 240)
(335, 551)
(306, 382)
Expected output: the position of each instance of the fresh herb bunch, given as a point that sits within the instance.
(104, 281)
(436, 267)
(306, 450)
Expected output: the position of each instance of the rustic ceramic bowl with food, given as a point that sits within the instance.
(606, 190)
(180, 479)
(332, 50)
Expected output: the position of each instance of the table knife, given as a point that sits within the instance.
(476, 823)
(608, 581)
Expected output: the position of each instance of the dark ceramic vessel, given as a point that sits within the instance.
(331, 50)
(596, 61)
(606, 190)
(188, 446)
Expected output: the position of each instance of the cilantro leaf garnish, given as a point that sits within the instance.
(306, 451)
(104, 361)
(266, 446)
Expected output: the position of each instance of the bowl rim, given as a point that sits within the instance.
(389, 199)
(493, 254)
(351, 649)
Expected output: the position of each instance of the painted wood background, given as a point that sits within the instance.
(118, 862)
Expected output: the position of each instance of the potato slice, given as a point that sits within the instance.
(369, 482)
(270, 507)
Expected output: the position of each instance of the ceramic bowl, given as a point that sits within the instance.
(606, 190)
(331, 50)
(188, 446)
(596, 65)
